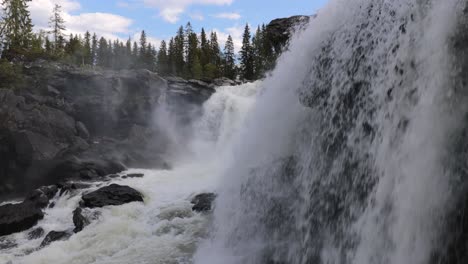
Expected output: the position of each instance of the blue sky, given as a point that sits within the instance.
(161, 18)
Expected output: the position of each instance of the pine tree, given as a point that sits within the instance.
(143, 55)
(128, 53)
(192, 55)
(229, 59)
(257, 49)
(16, 28)
(246, 56)
(135, 53)
(94, 49)
(57, 24)
(204, 49)
(102, 53)
(88, 59)
(162, 61)
(171, 57)
(179, 61)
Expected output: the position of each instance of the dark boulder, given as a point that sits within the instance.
(36, 233)
(111, 195)
(79, 220)
(18, 217)
(203, 202)
(41, 197)
(53, 236)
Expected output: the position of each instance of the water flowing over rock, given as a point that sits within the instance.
(78, 119)
(53, 236)
(203, 202)
(355, 152)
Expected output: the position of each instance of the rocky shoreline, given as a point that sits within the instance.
(68, 123)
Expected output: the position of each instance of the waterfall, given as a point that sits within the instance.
(355, 151)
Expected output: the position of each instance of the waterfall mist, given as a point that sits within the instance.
(352, 153)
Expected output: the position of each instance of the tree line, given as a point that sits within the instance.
(187, 54)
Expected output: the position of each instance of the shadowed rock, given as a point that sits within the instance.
(111, 195)
(53, 236)
(79, 220)
(18, 217)
(36, 233)
(203, 202)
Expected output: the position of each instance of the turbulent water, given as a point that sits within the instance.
(353, 150)
(163, 229)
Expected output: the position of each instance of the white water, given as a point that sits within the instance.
(347, 156)
(372, 143)
(163, 229)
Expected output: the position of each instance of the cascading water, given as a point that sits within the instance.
(161, 230)
(355, 152)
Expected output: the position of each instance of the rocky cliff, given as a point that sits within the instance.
(66, 123)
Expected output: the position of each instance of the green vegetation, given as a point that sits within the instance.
(187, 54)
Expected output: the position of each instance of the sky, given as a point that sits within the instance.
(161, 18)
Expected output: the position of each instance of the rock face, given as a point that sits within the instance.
(203, 202)
(55, 236)
(79, 220)
(68, 122)
(36, 233)
(18, 217)
(279, 31)
(111, 195)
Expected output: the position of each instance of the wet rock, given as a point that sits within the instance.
(41, 197)
(280, 30)
(7, 244)
(79, 220)
(135, 175)
(203, 202)
(53, 236)
(82, 130)
(18, 217)
(71, 187)
(111, 195)
(36, 233)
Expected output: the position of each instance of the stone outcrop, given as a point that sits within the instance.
(111, 195)
(68, 123)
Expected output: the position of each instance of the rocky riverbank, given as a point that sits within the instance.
(69, 123)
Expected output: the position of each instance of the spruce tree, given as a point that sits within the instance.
(94, 49)
(102, 53)
(204, 49)
(162, 61)
(246, 56)
(57, 24)
(179, 61)
(229, 59)
(16, 28)
(143, 55)
(88, 59)
(171, 57)
(258, 54)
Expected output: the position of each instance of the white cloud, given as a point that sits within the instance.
(232, 16)
(170, 10)
(197, 16)
(104, 24)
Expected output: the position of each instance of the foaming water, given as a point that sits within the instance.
(349, 154)
(163, 229)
